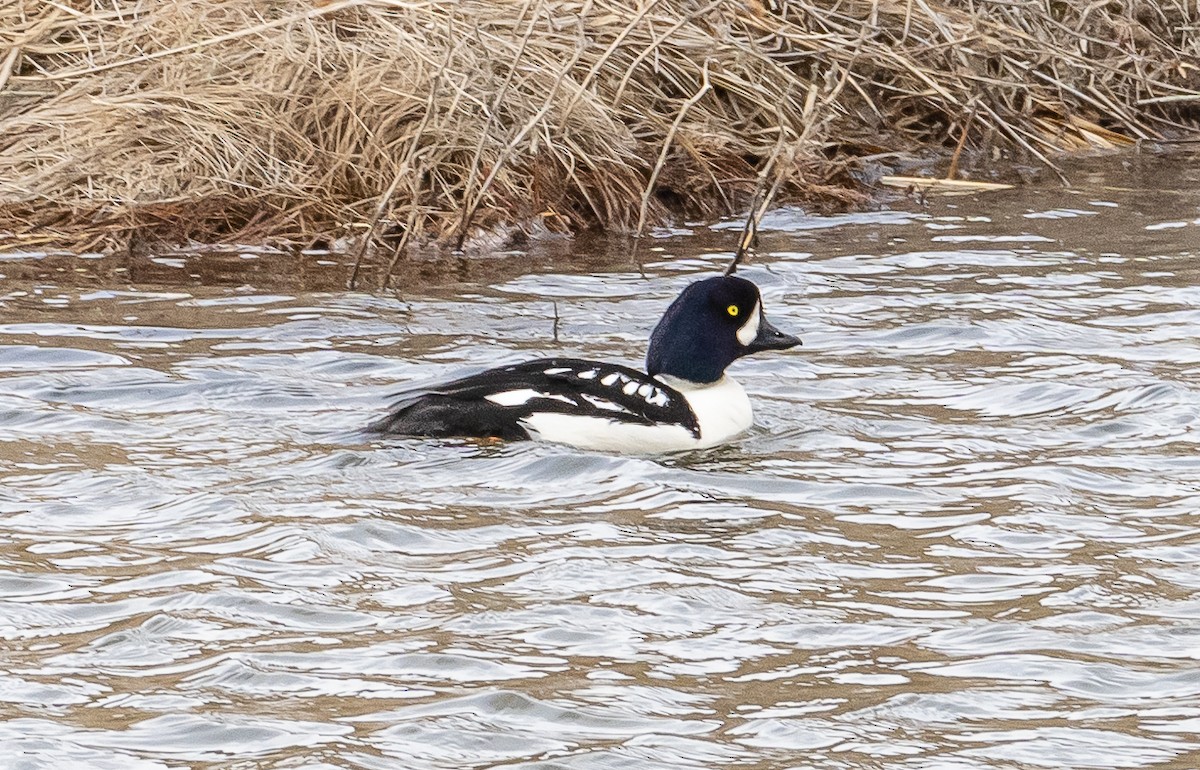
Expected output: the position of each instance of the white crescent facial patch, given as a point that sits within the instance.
(749, 330)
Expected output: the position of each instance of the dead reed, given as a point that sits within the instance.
(395, 123)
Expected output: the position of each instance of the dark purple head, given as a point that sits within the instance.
(710, 325)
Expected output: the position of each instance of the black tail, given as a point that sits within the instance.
(433, 414)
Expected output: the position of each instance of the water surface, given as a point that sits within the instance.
(961, 535)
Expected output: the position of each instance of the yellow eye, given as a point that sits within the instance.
(732, 310)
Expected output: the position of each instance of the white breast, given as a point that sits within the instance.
(722, 409)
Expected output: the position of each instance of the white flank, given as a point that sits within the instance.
(722, 410)
(749, 330)
(607, 435)
(522, 396)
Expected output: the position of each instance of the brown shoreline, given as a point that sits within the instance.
(377, 129)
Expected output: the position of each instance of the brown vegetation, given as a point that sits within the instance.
(400, 122)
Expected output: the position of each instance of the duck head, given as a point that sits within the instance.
(711, 324)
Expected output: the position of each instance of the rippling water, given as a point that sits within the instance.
(961, 535)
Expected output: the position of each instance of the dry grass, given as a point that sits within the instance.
(402, 122)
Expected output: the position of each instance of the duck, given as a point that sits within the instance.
(684, 400)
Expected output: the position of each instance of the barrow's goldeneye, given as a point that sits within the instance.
(683, 401)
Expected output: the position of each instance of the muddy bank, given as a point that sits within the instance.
(395, 126)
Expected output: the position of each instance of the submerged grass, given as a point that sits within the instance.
(396, 124)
